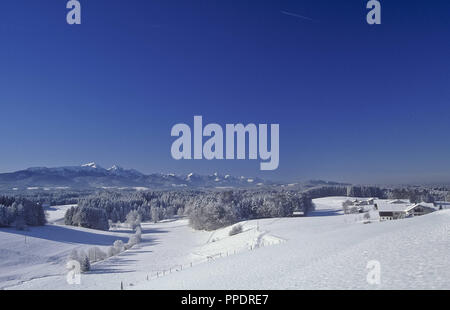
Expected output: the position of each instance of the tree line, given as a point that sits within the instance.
(20, 213)
(205, 209)
(413, 194)
(100, 209)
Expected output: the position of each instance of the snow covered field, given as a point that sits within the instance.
(328, 250)
(55, 214)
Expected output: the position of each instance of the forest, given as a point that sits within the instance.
(20, 213)
(205, 209)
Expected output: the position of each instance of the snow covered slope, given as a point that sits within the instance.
(55, 214)
(326, 251)
(331, 252)
(40, 263)
(42, 252)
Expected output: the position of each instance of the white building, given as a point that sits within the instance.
(398, 209)
(357, 202)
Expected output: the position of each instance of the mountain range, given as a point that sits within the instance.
(91, 175)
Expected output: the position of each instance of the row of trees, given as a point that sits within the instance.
(410, 193)
(349, 191)
(151, 206)
(98, 210)
(414, 195)
(366, 191)
(95, 254)
(206, 210)
(51, 197)
(20, 213)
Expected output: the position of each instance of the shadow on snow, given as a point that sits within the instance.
(67, 235)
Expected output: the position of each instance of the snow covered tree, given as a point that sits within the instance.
(133, 219)
(155, 214)
(74, 255)
(95, 254)
(133, 241)
(3, 216)
(118, 246)
(85, 264)
(111, 251)
(20, 222)
(180, 212)
(138, 230)
(236, 229)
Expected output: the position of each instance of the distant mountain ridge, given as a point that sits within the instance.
(92, 175)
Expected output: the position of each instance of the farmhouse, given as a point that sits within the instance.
(397, 209)
(357, 202)
(356, 205)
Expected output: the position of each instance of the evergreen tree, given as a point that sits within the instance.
(84, 262)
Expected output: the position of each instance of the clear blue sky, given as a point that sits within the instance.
(354, 102)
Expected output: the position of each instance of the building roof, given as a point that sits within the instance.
(425, 205)
(402, 207)
(397, 201)
(397, 207)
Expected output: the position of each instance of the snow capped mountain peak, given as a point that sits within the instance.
(115, 168)
(118, 170)
(91, 165)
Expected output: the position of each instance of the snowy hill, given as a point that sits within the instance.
(331, 252)
(328, 250)
(42, 252)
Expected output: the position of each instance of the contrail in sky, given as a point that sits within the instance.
(297, 15)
